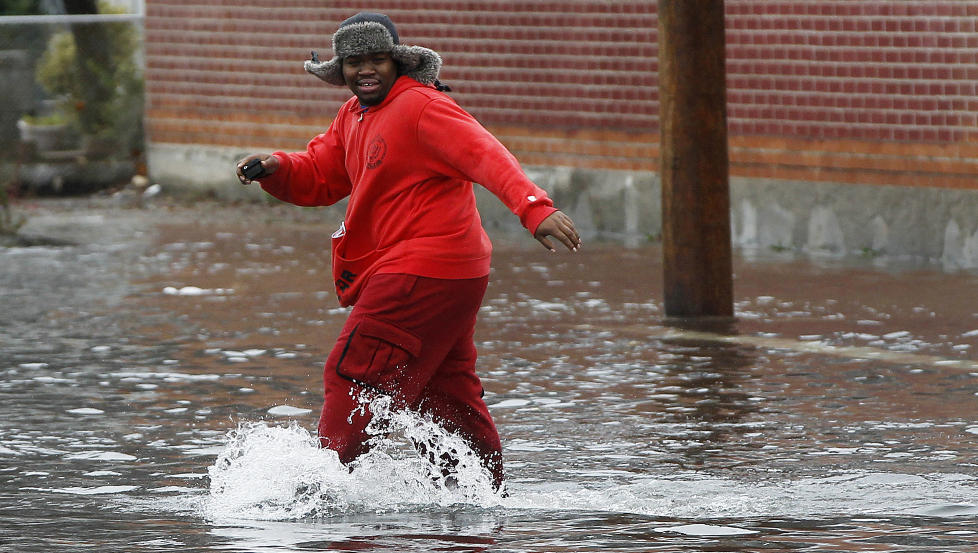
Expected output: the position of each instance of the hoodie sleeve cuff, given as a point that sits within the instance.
(535, 215)
(284, 164)
(276, 180)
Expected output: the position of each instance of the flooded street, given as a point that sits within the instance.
(160, 374)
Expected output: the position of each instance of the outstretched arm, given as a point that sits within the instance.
(559, 226)
(474, 154)
(314, 177)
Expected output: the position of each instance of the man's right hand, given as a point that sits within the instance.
(268, 162)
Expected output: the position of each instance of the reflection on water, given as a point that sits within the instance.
(158, 382)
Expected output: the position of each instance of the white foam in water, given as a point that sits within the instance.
(195, 291)
(507, 403)
(98, 490)
(166, 376)
(51, 380)
(288, 411)
(267, 472)
(86, 411)
(706, 530)
(101, 456)
(280, 473)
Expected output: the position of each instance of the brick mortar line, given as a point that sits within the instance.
(857, 124)
(585, 115)
(850, 109)
(477, 55)
(834, 174)
(468, 68)
(865, 155)
(846, 64)
(585, 20)
(181, 38)
(429, 29)
(815, 78)
(231, 91)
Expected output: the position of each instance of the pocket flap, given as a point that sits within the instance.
(375, 328)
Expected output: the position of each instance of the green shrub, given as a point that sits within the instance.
(101, 90)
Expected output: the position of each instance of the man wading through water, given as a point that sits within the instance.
(411, 255)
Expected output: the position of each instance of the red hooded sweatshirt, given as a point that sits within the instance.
(407, 165)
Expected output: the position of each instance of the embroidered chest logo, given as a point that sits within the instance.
(376, 152)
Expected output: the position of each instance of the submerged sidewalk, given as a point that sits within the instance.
(854, 307)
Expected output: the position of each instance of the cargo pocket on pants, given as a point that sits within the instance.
(376, 354)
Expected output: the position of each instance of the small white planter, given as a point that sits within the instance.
(47, 138)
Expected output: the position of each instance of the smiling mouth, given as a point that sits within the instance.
(368, 85)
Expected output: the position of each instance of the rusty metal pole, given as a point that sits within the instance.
(694, 163)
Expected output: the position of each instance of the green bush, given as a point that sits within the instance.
(56, 118)
(101, 90)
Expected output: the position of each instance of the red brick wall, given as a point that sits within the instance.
(865, 92)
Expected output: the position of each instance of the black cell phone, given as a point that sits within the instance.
(253, 169)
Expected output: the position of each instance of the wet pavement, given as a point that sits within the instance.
(159, 373)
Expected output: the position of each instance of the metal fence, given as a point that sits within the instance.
(73, 96)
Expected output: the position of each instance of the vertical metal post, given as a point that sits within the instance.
(694, 163)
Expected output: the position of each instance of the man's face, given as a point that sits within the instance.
(370, 76)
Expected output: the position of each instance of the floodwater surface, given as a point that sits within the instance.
(160, 376)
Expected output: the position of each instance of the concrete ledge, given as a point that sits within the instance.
(919, 225)
(74, 175)
(931, 225)
(203, 170)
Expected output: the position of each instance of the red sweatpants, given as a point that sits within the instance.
(410, 337)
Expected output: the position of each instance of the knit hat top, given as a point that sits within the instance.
(367, 33)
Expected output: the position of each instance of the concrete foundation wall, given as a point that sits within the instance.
(923, 225)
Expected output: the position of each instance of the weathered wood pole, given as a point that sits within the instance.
(694, 164)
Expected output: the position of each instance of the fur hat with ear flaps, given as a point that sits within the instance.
(367, 33)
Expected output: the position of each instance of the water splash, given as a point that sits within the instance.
(268, 472)
(277, 473)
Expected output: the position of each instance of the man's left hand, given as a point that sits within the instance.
(559, 226)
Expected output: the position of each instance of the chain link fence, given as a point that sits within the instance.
(72, 116)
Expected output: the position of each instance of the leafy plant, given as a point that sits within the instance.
(56, 118)
(870, 253)
(24, 37)
(19, 7)
(94, 72)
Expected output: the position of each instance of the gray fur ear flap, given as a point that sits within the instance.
(417, 62)
(329, 71)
